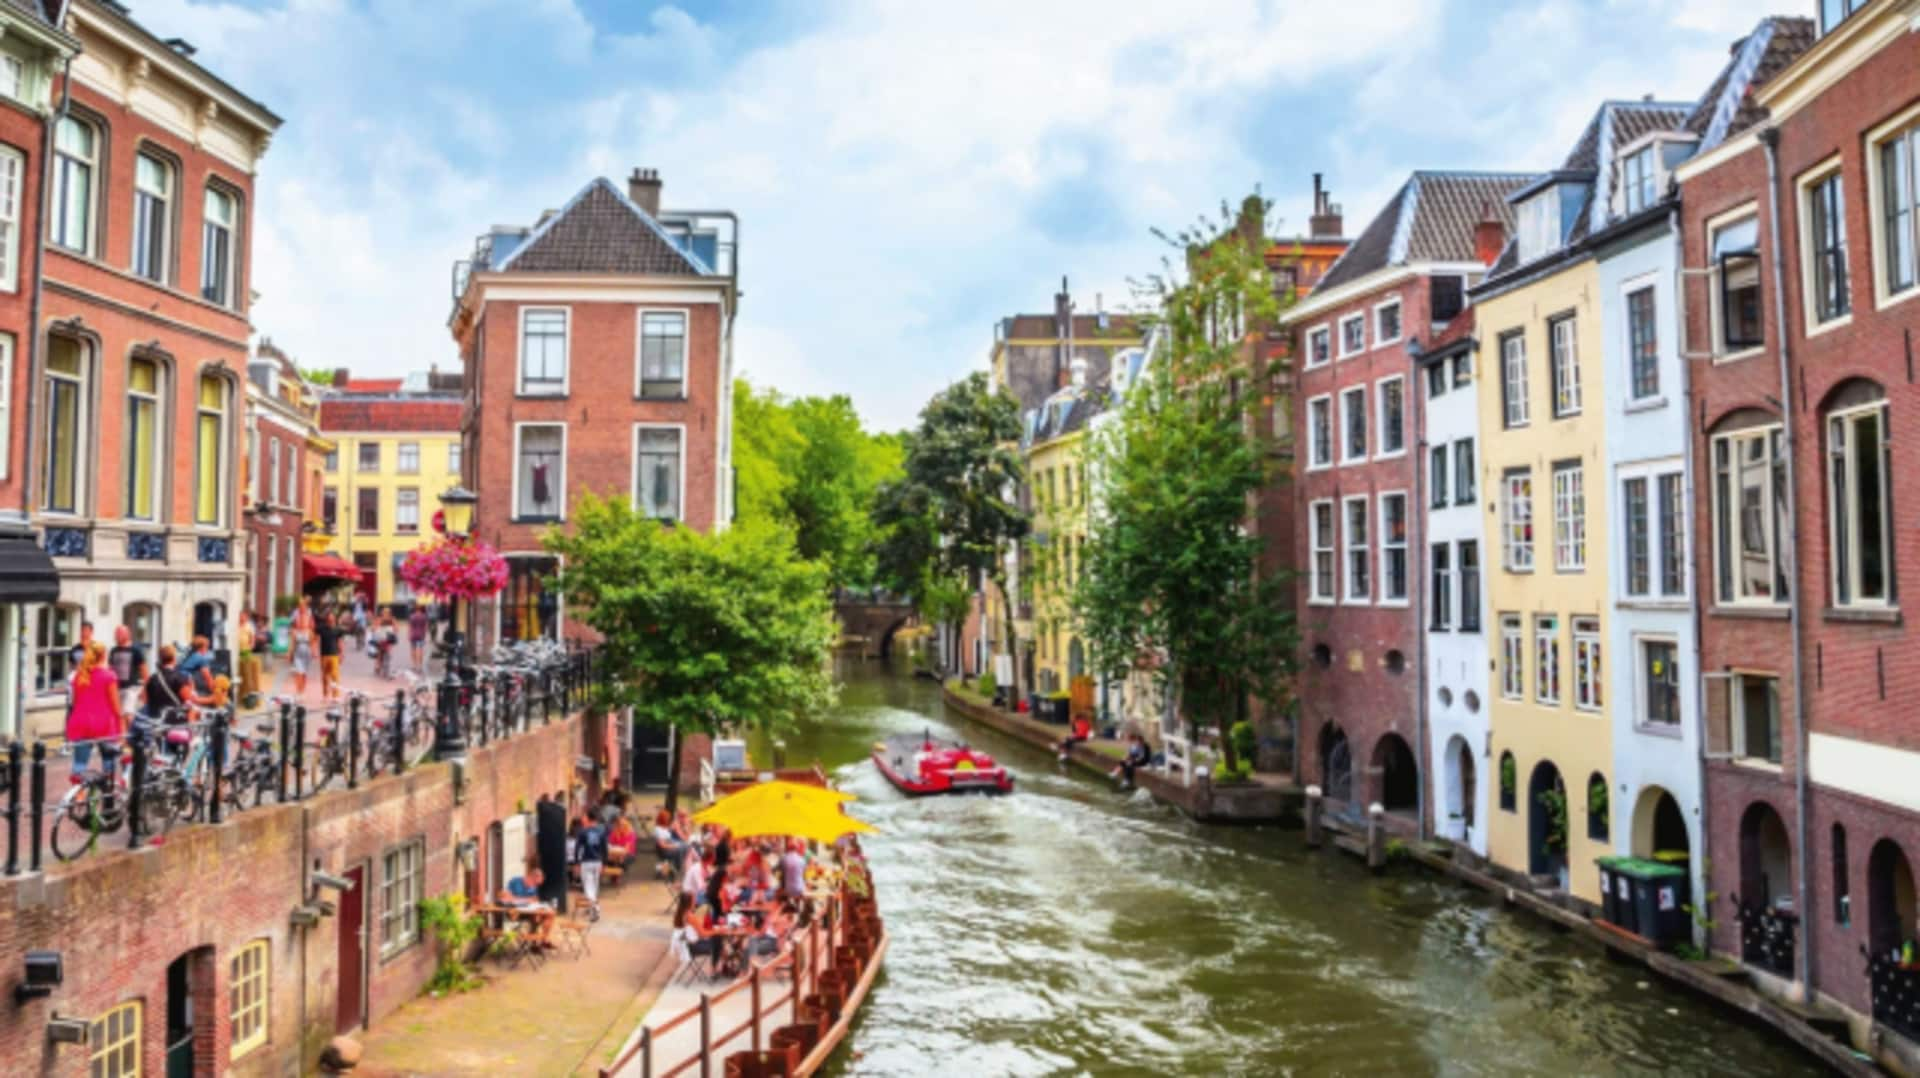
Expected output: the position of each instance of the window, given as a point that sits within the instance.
(1509, 783)
(1832, 13)
(367, 510)
(1393, 416)
(1513, 668)
(1463, 475)
(1516, 521)
(401, 872)
(1899, 198)
(1633, 498)
(1637, 180)
(1673, 541)
(1858, 503)
(1440, 557)
(1469, 585)
(370, 456)
(330, 508)
(1827, 247)
(1643, 345)
(1565, 367)
(56, 629)
(407, 460)
(1353, 424)
(1359, 558)
(152, 215)
(1319, 346)
(1756, 725)
(406, 510)
(1321, 526)
(143, 439)
(1386, 322)
(1842, 884)
(453, 460)
(288, 565)
(12, 170)
(1597, 807)
(1463, 370)
(1546, 659)
(539, 472)
(543, 352)
(273, 471)
(1446, 298)
(1659, 683)
(332, 463)
(68, 369)
(113, 1043)
(210, 441)
(13, 76)
(6, 405)
(217, 259)
(247, 993)
(1513, 378)
(663, 354)
(1569, 517)
(1587, 676)
(1282, 415)
(1319, 432)
(293, 477)
(1749, 516)
(1393, 548)
(76, 147)
(1353, 334)
(657, 472)
(1437, 467)
(1736, 259)
(1436, 381)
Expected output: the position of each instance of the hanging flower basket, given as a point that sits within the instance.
(455, 570)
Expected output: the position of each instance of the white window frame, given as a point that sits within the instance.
(1379, 331)
(1715, 322)
(1849, 542)
(1643, 691)
(163, 271)
(1652, 475)
(1569, 516)
(249, 997)
(1897, 127)
(1516, 554)
(1809, 268)
(61, 194)
(1513, 380)
(1513, 658)
(453, 459)
(13, 172)
(1628, 290)
(1440, 586)
(1736, 710)
(1589, 673)
(273, 470)
(6, 406)
(566, 352)
(1388, 546)
(397, 909)
(1362, 550)
(1637, 192)
(680, 498)
(229, 283)
(513, 506)
(1733, 440)
(1324, 332)
(1313, 428)
(1563, 362)
(1380, 417)
(401, 526)
(1546, 660)
(1356, 317)
(1346, 434)
(1468, 491)
(640, 344)
(1319, 544)
(400, 465)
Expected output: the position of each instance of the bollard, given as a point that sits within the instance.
(14, 772)
(480, 707)
(754, 988)
(1314, 809)
(706, 1036)
(353, 743)
(1376, 837)
(546, 697)
(219, 746)
(286, 736)
(300, 753)
(137, 796)
(38, 792)
(399, 727)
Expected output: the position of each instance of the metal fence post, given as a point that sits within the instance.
(137, 796)
(706, 1036)
(546, 696)
(300, 753)
(353, 743)
(14, 753)
(38, 792)
(646, 1052)
(286, 735)
(399, 727)
(754, 990)
(219, 738)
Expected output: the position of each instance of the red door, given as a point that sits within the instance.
(350, 1014)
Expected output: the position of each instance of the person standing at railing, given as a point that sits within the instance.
(95, 715)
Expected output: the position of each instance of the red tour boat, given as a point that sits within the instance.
(921, 764)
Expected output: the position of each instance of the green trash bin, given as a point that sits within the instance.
(1612, 909)
(1651, 899)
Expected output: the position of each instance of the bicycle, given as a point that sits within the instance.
(93, 806)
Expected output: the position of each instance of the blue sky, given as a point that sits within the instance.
(906, 173)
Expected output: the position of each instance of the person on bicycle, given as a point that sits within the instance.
(95, 714)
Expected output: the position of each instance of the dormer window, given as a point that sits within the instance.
(1637, 181)
(1539, 225)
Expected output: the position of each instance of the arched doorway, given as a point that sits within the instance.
(1459, 791)
(1660, 828)
(1336, 764)
(210, 621)
(1769, 925)
(1546, 821)
(1398, 787)
(1890, 898)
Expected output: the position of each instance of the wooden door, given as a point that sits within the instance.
(350, 1012)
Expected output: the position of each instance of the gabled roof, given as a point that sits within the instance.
(1615, 124)
(1430, 219)
(601, 230)
(1728, 108)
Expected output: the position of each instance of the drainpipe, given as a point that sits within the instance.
(1770, 138)
(1417, 555)
(1701, 869)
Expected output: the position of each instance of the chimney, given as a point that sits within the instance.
(1326, 221)
(1078, 366)
(1063, 329)
(643, 187)
(339, 378)
(1489, 237)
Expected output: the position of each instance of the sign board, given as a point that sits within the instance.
(1003, 670)
(729, 756)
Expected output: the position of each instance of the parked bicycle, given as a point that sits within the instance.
(94, 805)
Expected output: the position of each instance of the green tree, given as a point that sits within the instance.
(1171, 574)
(948, 522)
(702, 632)
(319, 376)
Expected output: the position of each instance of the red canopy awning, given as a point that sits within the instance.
(329, 567)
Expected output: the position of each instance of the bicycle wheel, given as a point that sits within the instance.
(158, 802)
(420, 738)
(76, 826)
(324, 764)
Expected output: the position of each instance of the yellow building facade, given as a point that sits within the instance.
(1056, 472)
(395, 456)
(1544, 481)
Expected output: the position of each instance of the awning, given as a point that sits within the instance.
(329, 567)
(26, 572)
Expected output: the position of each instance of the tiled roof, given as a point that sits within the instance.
(1430, 219)
(1728, 108)
(601, 231)
(1122, 328)
(372, 385)
(349, 414)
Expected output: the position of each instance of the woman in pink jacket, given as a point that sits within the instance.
(95, 715)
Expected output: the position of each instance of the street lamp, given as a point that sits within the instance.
(456, 518)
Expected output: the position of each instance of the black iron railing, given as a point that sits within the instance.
(1895, 989)
(1767, 936)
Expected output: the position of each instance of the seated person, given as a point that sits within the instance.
(1082, 731)
(621, 841)
(669, 843)
(773, 931)
(1137, 756)
(523, 893)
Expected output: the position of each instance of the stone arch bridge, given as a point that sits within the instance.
(868, 622)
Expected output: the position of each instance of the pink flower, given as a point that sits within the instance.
(455, 570)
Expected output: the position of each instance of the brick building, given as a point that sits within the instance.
(138, 390)
(283, 470)
(1403, 278)
(1799, 226)
(598, 346)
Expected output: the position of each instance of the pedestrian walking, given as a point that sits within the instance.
(417, 636)
(129, 662)
(590, 851)
(328, 630)
(94, 715)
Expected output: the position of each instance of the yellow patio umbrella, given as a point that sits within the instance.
(791, 809)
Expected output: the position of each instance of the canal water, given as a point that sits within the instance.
(1070, 929)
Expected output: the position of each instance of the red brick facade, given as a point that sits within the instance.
(20, 131)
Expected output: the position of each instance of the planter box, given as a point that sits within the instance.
(780, 1062)
(798, 1039)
